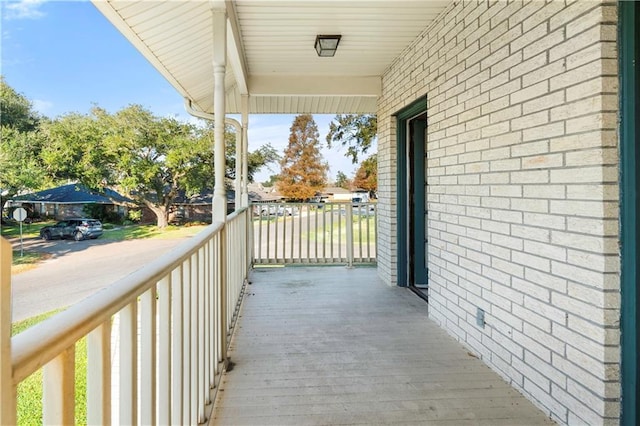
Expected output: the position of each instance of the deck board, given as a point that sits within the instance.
(330, 345)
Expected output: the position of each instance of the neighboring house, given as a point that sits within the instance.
(259, 193)
(68, 201)
(334, 193)
(195, 208)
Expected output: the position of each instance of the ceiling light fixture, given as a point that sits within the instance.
(326, 45)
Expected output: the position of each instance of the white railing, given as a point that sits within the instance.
(310, 233)
(174, 319)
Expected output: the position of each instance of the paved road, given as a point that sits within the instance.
(77, 270)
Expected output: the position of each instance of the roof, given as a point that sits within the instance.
(74, 193)
(270, 48)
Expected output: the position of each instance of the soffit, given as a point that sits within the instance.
(270, 49)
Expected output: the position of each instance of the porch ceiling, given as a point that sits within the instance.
(270, 49)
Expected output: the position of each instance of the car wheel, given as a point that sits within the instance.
(46, 235)
(78, 236)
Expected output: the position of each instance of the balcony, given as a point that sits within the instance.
(285, 345)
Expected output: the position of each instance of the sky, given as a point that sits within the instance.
(64, 56)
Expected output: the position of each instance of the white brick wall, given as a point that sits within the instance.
(522, 197)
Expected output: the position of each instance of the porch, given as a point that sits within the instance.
(334, 345)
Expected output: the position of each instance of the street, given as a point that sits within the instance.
(77, 270)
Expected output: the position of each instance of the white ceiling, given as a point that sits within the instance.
(270, 48)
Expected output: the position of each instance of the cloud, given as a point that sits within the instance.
(23, 9)
(42, 106)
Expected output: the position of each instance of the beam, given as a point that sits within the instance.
(235, 53)
(290, 85)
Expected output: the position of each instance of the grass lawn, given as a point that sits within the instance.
(31, 230)
(30, 390)
(150, 231)
(339, 229)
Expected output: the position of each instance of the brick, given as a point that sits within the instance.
(592, 157)
(544, 44)
(530, 92)
(542, 161)
(545, 191)
(584, 175)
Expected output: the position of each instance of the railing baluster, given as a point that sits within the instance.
(148, 357)
(99, 375)
(186, 345)
(331, 233)
(129, 364)
(177, 346)
(206, 323)
(164, 350)
(203, 394)
(58, 389)
(193, 371)
(349, 235)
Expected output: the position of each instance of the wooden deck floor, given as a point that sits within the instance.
(330, 345)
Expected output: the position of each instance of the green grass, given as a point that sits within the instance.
(29, 409)
(27, 261)
(31, 230)
(151, 231)
(340, 229)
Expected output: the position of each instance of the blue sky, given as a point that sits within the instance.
(65, 56)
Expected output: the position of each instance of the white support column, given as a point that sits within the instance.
(7, 390)
(219, 22)
(239, 159)
(245, 151)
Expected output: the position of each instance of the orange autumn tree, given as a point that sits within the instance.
(367, 175)
(303, 171)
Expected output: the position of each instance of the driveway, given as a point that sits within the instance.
(77, 270)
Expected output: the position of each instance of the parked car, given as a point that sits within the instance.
(78, 229)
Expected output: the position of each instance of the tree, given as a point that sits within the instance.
(342, 181)
(271, 181)
(20, 144)
(303, 171)
(16, 111)
(20, 166)
(356, 132)
(75, 149)
(153, 158)
(367, 175)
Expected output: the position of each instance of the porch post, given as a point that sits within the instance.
(237, 184)
(219, 22)
(7, 390)
(245, 150)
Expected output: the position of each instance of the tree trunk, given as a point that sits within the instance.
(162, 215)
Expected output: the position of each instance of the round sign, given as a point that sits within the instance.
(19, 214)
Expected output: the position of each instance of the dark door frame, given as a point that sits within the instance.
(416, 108)
(629, 55)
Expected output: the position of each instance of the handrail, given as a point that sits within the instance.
(175, 317)
(38, 345)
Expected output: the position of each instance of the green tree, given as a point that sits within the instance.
(342, 181)
(153, 158)
(16, 111)
(303, 172)
(355, 131)
(367, 174)
(271, 181)
(75, 149)
(20, 144)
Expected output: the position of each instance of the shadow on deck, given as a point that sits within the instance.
(330, 345)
